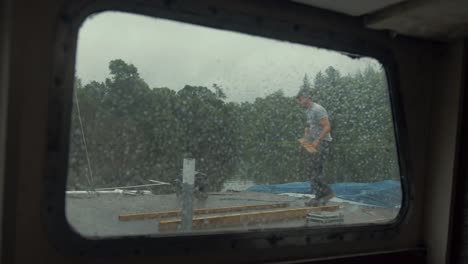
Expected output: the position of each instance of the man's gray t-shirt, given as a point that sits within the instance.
(314, 116)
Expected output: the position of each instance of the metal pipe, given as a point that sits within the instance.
(188, 180)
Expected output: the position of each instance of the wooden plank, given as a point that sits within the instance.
(149, 215)
(152, 215)
(245, 218)
(378, 220)
(130, 187)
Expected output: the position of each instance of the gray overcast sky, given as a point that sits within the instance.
(172, 54)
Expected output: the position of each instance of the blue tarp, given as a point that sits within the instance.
(384, 193)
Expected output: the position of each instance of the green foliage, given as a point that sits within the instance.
(363, 148)
(135, 133)
(271, 127)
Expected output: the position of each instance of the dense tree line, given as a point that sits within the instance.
(133, 133)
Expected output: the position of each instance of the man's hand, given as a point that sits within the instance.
(308, 146)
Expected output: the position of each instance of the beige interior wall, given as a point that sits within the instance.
(442, 143)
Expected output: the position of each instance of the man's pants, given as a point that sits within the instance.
(315, 170)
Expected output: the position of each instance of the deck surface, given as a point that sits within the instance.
(99, 215)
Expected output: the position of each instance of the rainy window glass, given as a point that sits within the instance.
(181, 128)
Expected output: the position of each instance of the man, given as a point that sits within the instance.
(317, 133)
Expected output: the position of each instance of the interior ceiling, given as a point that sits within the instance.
(429, 19)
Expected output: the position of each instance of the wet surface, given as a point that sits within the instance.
(97, 215)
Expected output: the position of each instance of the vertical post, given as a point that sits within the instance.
(188, 180)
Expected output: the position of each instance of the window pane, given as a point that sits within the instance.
(182, 128)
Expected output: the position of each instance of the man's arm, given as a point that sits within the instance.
(325, 130)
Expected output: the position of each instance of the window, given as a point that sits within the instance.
(178, 128)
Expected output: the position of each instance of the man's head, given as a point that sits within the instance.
(304, 99)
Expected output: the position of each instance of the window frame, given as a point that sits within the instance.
(225, 16)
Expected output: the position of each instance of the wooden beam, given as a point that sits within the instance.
(378, 220)
(245, 218)
(133, 186)
(152, 215)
